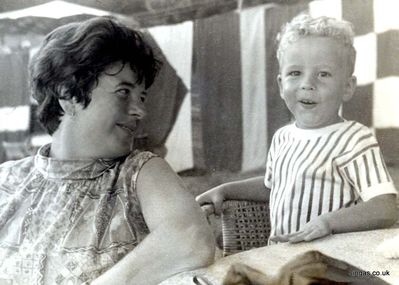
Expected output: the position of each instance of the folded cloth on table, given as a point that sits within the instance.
(310, 268)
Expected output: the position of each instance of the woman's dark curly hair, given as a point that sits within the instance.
(73, 56)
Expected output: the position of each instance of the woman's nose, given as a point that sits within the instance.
(137, 109)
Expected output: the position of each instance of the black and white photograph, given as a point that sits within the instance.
(203, 142)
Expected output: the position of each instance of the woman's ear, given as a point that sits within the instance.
(350, 88)
(68, 106)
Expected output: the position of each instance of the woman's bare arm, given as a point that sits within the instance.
(180, 238)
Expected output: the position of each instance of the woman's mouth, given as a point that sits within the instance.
(126, 128)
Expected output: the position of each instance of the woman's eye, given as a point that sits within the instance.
(294, 73)
(124, 92)
(143, 98)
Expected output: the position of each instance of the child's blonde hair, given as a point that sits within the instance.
(304, 25)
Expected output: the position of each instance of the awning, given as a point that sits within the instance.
(146, 12)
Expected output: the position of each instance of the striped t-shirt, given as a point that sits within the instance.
(314, 171)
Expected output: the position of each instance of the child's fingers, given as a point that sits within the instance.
(211, 202)
(209, 209)
(305, 234)
(281, 238)
(311, 231)
(310, 234)
(285, 238)
(218, 204)
(299, 237)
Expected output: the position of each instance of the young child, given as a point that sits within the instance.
(324, 174)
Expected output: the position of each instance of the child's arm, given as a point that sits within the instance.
(249, 189)
(378, 212)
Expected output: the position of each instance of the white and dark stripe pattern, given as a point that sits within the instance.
(176, 42)
(312, 172)
(263, 111)
(239, 141)
(232, 105)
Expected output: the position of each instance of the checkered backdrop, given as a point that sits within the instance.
(377, 69)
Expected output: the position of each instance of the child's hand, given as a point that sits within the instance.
(316, 228)
(213, 196)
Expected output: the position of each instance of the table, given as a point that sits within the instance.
(358, 249)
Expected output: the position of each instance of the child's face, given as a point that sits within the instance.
(314, 80)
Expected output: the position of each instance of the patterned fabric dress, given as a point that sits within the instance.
(67, 222)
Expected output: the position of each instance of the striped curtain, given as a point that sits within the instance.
(231, 118)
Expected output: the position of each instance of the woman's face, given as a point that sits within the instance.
(106, 127)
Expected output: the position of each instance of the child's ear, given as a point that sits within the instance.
(280, 85)
(350, 88)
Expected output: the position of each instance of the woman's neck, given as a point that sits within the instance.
(66, 144)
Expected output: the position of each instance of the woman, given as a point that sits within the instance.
(89, 208)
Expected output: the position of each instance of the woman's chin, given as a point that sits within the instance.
(122, 152)
(117, 152)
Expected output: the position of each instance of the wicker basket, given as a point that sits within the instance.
(245, 225)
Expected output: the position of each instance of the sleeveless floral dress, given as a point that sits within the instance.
(67, 222)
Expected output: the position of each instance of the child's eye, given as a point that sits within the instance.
(324, 74)
(143, 98)
(294, 73)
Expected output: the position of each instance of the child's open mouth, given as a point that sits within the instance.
(307, 103)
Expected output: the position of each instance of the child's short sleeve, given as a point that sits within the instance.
(365, 169)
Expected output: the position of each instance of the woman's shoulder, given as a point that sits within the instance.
(139, 157)
(18, 166)
(133, 163)
(14, 171)
(23, 162)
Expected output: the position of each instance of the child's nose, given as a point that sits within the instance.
(308, 83)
